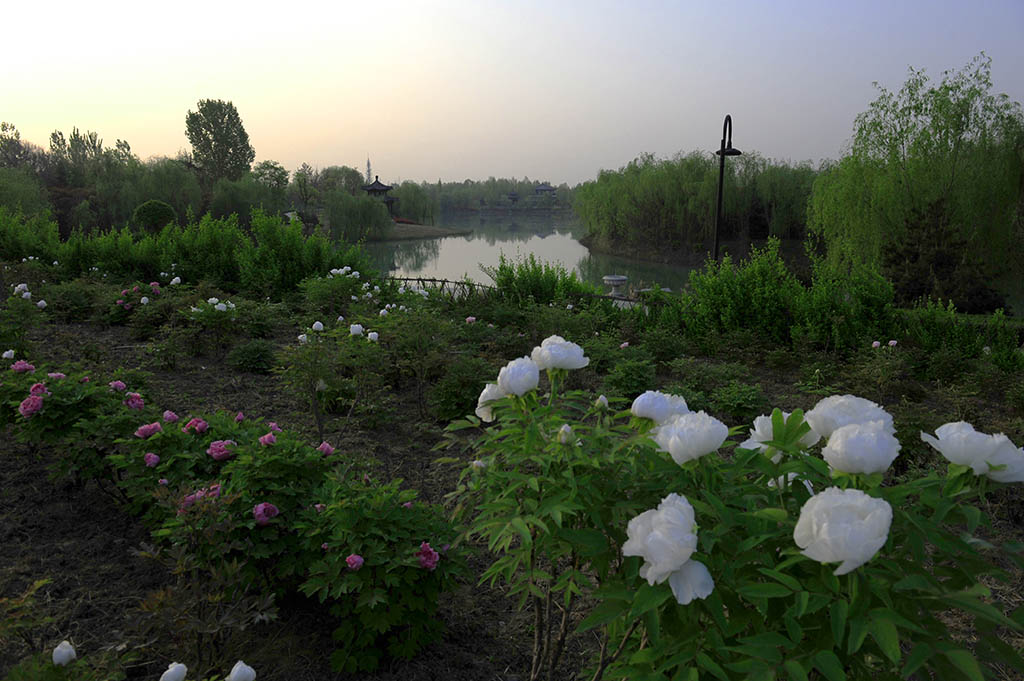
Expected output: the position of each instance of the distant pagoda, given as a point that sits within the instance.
(379, 190)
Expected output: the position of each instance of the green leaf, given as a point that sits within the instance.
(828, 664)
(709, 665)
(838, 613)
(917, 657)
(588, 542)
(763, 590)
(858, 632)
(887, 637)
(966, 663)
(795, 670)
(965, 600)
(792, 583)
(913, 582)
(774, 514)
(648, 597)
(602, 614)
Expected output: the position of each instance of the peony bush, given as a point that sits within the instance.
(794, 555)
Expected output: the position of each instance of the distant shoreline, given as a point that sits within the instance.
(407, 232)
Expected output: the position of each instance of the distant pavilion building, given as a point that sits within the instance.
(379, 190)
(544, 189)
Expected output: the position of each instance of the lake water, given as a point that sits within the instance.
(550, 237)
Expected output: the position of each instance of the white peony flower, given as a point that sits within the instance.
(961, 444)
(63, 654)
(478, 465)
(861, 448)
(27, 295)
(565, 435)
(519, 376)
(842, 410)
(41, 304)
(663, 537)
(658, 406)
(220, 307)
(383, 313)
(490, 393)
(176, 671)
(341, 319)
(20, 288)
(763, 432)
(144, 300)
(303, 338)
(9, 354)
(373, 336)
(555, 352)
(690, 436)
(843, 525)
(317, 326)
(213, 301)
(601, 402)
(175, 282)
(691, 581)
(241, 672)
(355, 330)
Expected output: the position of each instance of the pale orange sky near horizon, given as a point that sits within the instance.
(453, 90)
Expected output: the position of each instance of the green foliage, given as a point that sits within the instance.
(531, 280)
(256, 356)
(387, 605)
(355, 218)
(739, 402)
(77, 300)
(414, 203)
(953, 144)
(154, 215)
(455, 394)
(17, 318)
(631, 375)
(759, 295)
(220, 144)
(21, 192)
(22, 236)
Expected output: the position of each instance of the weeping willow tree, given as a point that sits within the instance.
(953, 147)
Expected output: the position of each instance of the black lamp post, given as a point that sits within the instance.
(725, 150)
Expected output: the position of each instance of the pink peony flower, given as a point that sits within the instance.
(135, 288)
(239, 417)
(120, 301)
(148, 429)
(263, 512)
(219, 449)
(876, 344)
(117, 385)
(470, 320)
(170, 416)
(134, 401)
(213, 491)
(198, 425)
(325, 448)
(151, 459)
(38, 390)
(428, 556)
(22, 367)
(56, 374)
(127, 306)
(324, 546)
(154, 284)
(268, 439)
(319, 507)
(85, 379)
(624, 345)
(892, 344)
(354, 561)
(274, 428)
(164, 481)
(30, 405)
(407, 504)
(124, 292)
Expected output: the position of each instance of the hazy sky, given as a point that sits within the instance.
(453, 90)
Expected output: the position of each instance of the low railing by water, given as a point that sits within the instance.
(461, 289)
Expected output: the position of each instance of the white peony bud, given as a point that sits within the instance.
(63, 654)
(176, 671)
(175, 282)
(690, 436)
(861, 448)
(519, 376)
(842, 410)
(764, 432)
(555, 352)
(241, 672)
(372, 336)
(303, 338)
(490, 393)
(843, 526)
(317, 326)
(478, 465)
(565, 435)
(601, 402)
(659, 407)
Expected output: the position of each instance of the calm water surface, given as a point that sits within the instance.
(549, 237)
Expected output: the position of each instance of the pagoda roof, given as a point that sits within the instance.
(376, 185)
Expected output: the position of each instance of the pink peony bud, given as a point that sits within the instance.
(163, 481)
(263, 512)
(38, 390)
(325, 448)
(117, 385)
(268, 439)
(151, 459)
(319, 507)
(134, 401)
(274, 428)
(470, 320)
(218, 449)
(624, 345)
(324, 546)
(354, 561)
(407, 504)
(239, 417)
(892, 344)
(170, 416)
(56, 374)
(876, 344)
(198, 425)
